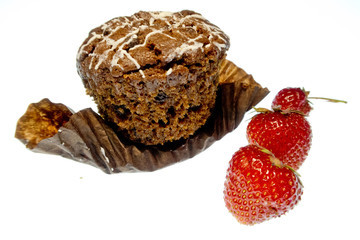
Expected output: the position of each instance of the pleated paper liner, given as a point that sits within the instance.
(85, 137)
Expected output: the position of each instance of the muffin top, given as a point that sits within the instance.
(152, 39)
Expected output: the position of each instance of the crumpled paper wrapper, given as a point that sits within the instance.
(85, 137)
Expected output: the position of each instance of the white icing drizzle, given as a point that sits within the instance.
(168, 72)
(142, 73)
(121, 52)
(161, 15)
(81, 50)
(216, 38)
(219, 45)
(186, 47)
(151, 21)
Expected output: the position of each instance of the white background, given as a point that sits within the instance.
(312, 44)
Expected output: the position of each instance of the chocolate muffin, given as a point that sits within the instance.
(154, 74)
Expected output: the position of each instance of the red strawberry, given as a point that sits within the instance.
(295, 100)
(259, 187)
(292, 100)
(287, 136)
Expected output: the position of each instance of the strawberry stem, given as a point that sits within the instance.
(329, 99)
(296, 173)
(274, 160)
(261, 110)
(293, 170)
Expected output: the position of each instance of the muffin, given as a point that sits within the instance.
(154, 75)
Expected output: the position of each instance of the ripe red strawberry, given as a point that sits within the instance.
(259, 187)
(296, 100)
(287, 136)
(292, 100)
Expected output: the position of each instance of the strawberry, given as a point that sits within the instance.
(259, 187)
(287, 136)
(292, 100)
(296, 100)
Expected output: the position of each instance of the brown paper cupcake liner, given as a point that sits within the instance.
(85, 136)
